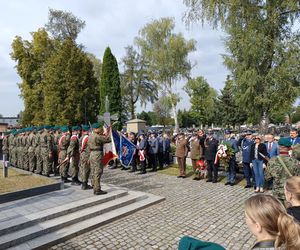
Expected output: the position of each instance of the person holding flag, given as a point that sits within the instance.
(95, 144)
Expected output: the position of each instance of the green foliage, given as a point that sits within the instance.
(263, 48)
(186, 119)
(296, 115)
(136, 82)
(162, 110)
(63, 25)
(149, 117)
(231, 113)
(110, 84)
(58, 84)
(167, 55)
(202, 98)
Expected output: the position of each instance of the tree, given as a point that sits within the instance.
(110, 84)
(162, 109)
(97, 65)
(167, 55)
(263, 50)
(136, 83)
(62, 24)
(71, 92)
(186, 119)
(231, 113)
(296, 115)
(149, 117)
(202, 98)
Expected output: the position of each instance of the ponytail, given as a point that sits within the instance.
(288, 232)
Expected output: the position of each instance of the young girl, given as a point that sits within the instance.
(292, 196)
(269, 222)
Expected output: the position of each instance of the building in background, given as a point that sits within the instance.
(10, 121)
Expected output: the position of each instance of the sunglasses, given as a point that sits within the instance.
(257, 138)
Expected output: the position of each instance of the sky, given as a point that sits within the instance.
(113, 23)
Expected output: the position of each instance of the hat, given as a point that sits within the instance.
(96, 125)
(227, 132)
(75, 128)
(47, 127)
(64, 129)
(248, 132)
(85, 127)
(284, 142)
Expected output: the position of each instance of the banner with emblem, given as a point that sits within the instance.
(127, 151)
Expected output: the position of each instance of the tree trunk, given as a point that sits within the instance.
(175, 117)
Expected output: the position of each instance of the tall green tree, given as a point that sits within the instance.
(63, 24)
(136, 82)
(110, 84)
(263, 47)
(202, 98)
(149, 117)
(162, 109)
(31, 58)
(186, 119)
(70, 88)
(167, 55)
(231, 113)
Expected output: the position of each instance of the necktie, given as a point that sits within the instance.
(270, 146)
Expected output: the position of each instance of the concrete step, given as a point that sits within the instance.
(45, 227)
(22, 222)
(46, 240)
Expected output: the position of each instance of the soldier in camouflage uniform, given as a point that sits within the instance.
(25, 148)
(95, 143)
(84, 158)
(73, 155)
(31, 150)
(20, 149)
(14, 149)
(11, 146)
(46, 144)
(56, 137)
(63, 145)
(5, 146)
(276, 170)
(38, 156)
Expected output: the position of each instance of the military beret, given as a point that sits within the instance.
(47, 127)
(285, 142)
(75, 128)
(96, 125)
(248, 132)
(85, 127)
(64, 129)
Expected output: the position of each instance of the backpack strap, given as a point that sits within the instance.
(284, 166)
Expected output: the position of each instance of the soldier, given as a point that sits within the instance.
(196, 153)
(55, 149)
(95, 143)
(280, 171)
(31, 150)
(38, 156)
(46, 150)
(25, 148)
(84, 166)
(20, 149)
(11, 146)
(73, 155)
(181, 153)
(14, 150)
(63, 161)
(5, 146)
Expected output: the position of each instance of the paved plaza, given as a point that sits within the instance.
(211, 212)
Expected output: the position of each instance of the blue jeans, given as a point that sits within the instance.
(248, 174)
(231, 173)
(259, 173)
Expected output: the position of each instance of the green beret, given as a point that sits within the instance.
(85, 127)
(47, 127)
(75, 128)
(285, 142)
(64, 129)
(96, 125)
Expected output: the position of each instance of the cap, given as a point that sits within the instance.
(284, 142)
(64, 129)
(75, 128)
(96, 125)
(85, 127)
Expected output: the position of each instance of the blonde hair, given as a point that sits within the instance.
(270, 213)
(292, 185)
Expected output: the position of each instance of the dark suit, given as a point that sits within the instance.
(210, 151)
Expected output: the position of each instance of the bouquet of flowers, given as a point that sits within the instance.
(200, 164)
(224, 153)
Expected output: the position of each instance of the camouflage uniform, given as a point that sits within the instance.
(73, 154)
(95, 144)
(85, 169)
(277, 171)
(31, 151)
(25, 154)
(55, 152)
(20, 151)
(5, 147)
(38, 156)
(11, 147)
(62, 154)
(14, 150)
(46, 150)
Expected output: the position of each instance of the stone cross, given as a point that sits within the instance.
(107, 118)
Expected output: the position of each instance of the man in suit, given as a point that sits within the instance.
(210, 151)
(152, 152)
(294, 137)
(272, 146)
(246, 143)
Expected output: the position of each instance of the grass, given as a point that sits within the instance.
(18, 180)
(173, 170)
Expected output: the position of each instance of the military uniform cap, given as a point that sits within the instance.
(47, 127)
(285, 142)
(96, 125)
(85, 127)
(248, 132)
(75, 128)
(64, 129)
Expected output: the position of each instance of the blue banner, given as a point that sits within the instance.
(127, 151)
(116, 139)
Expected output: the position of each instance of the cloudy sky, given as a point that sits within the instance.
(112, 23)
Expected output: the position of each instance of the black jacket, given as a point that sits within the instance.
(262, 151)
(210, 150)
